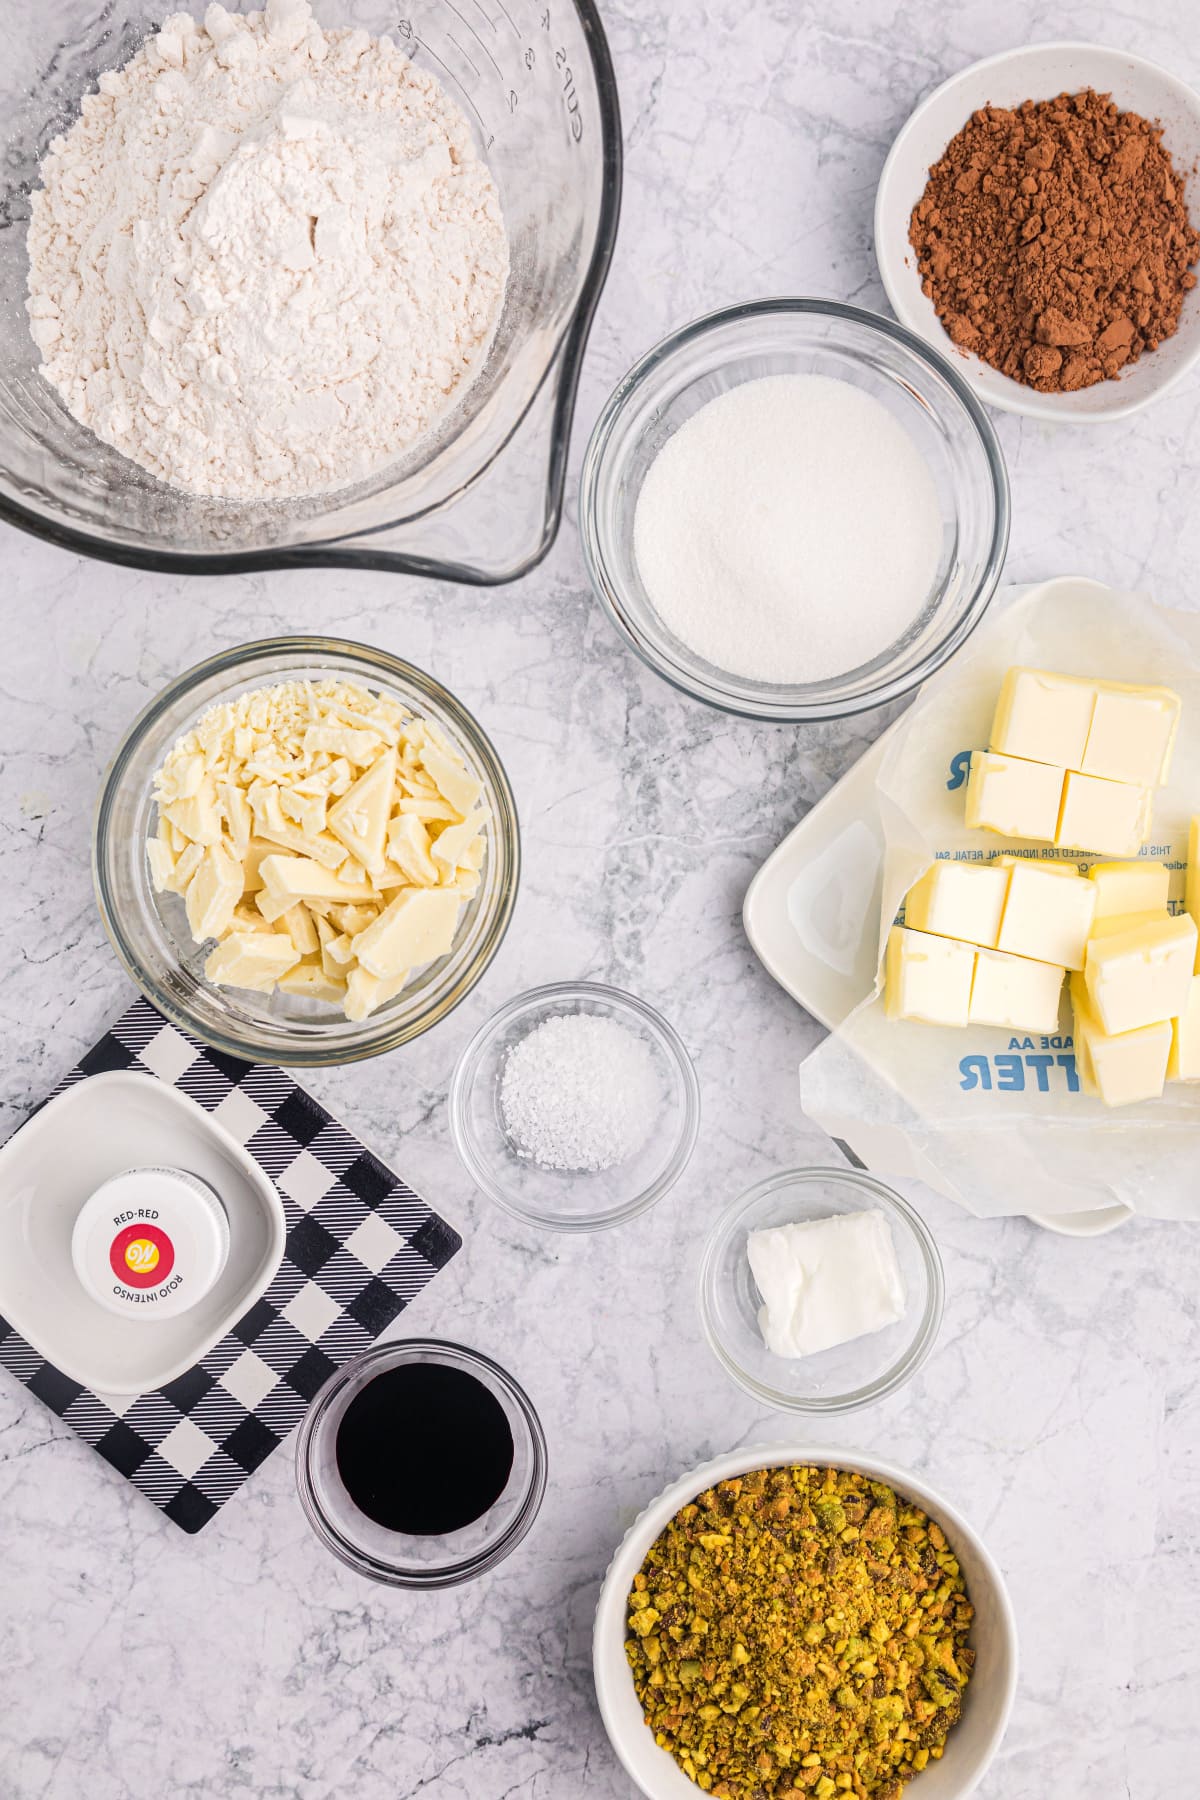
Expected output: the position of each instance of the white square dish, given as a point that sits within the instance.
(49, 1167)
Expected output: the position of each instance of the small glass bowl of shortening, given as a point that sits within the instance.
(575, 1107)
(821, 1290)
(306, 851)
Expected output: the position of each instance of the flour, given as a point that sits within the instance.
(266, 257)
(790, 530)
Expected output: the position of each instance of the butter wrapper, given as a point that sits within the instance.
(992, 1118)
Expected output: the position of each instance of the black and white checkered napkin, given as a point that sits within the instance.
(360, 1244)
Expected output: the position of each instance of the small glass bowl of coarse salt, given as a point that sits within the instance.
(575, 1107)
(794, 509)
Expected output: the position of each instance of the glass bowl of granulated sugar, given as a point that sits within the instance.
(575, 1107)
(794, 510)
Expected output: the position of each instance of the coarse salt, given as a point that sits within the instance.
(790, 530)
(580, 1092)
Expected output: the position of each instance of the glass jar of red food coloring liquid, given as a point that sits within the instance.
(421, 1464)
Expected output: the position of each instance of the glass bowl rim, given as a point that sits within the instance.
(787, 710)
(466, 1071)
(564, 367)
(900, 1211)
(393, 1575)
(307, 1054)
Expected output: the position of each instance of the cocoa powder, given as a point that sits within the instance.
(1054, 240)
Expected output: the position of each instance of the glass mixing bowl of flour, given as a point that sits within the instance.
(920, 405)
(479, 498)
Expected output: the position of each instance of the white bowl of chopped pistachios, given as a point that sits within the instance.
(804, 1621)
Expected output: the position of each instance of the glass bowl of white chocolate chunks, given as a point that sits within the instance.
(306, 851)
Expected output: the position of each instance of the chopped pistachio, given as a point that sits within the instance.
(842, 1617)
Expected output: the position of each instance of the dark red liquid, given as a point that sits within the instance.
(424, 1449)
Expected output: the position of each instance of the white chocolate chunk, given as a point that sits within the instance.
(451, 845)
(414, 929)
(300, 878)
(251, 959)
(212, 894)
(409, 844)
(450, 778)
(360, 818)
(309, 980)
(161, 858)
(301, 928)
(366, 992)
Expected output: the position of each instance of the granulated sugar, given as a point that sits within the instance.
(580, 1092)
(790, 530)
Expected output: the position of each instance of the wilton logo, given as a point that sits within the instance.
(141, 1256)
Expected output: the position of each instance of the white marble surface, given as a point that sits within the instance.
(1061, 1408)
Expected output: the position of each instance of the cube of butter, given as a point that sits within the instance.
(1125, 1068)
(1132, 734)
(1077, 988)
(927, 977)
(1018, 799)
(1183, 1063)
(1112, 816)
(1192, 879)
(1141, 976)
(1106, 928)
(958, 900)
(1129, 887)
(1047, 917)
(1015, 992)
(1043, 717)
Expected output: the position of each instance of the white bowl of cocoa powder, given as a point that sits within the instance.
(1038, 218)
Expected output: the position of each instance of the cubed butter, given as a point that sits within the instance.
(958, 900)
(1192, 878)
(1017, 799)
(927, 977)
(1184, 1061)
(1129, 887)
(1141, 976)
(1132, 734)
(1045, 916)
(1112, 816)
(1015, 992)
(1126, 1068)
(251, 959)
(1043, 717)
(1106, 928)
(1077, 987)
(416, 927)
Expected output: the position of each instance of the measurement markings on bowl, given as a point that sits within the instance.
(515, 82)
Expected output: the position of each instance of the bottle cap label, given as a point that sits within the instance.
(141, 1256)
